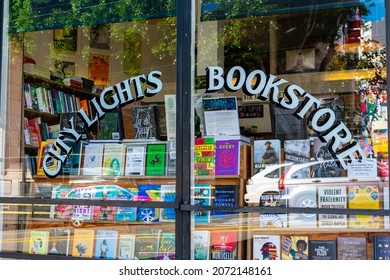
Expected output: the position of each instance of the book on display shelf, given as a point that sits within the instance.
(83, 243)
(59, 241)
(73, 161)
(111, 126)
(295, 247)
(170, 115)
(93, 159)
(351, 248)
(200, 245)
(266, 153)
(113, 159)
(201, 196)
(105, 212)
(126, 244)
(227, 157)
(382, 247)
(156, 159)
(298, 151)
(106, 244)
(224, 196)
(204, 156)
(145, 121)
(126, 213)
(167, 194)
(273, 220)
(148, 192)
(171, 157)
(266, 247)
(147, 241)
(332, 197)
(166, 248)
(62, 211)
(223, 245)
(322, 250)
(135, 160)
(38, 242)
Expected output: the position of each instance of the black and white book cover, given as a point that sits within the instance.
(145, 122)
(298, 151)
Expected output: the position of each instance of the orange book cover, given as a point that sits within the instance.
(83, 243)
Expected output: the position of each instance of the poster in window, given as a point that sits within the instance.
(99, 69)
(65, 39)
(100, 37)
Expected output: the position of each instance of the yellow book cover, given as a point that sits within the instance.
(363, 197)
(51, 163)
(83, 241)
(38, 242)
(295, 247)
(113, 159)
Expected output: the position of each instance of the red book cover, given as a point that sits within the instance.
(227, 157)
(224, 245)
(35, 131)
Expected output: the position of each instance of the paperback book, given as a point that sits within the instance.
(295, 247)
(200, 245)
(223, 245)
(51, 163)
(59, 241)
(201, 196)
(111, 126)
(125, 213)
(135, 160)
(145, 122)
(82, 212)
(171, 157)
(298, 151)
(93, 159)
(351, 248)
(363, 197)
(327, 166)
(266, 153)
(382, 247)
(332, 197)
(266, 247)
(126, 246)
(113, 159)
(167, 247)
(273, 220)
(322, 250)
(225, 196)
(83, 241)
(62, 211)
(227, 157)
(38, 242)
(106, 244)
(147, 241)
(148, 192)
(72, 164)
(155, 159)
(105, 212)
(204, 156)
(168, 194)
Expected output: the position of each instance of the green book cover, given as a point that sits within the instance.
(155, 159)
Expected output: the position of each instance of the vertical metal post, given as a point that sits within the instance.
(184, 85)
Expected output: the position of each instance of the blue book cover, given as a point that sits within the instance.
(126, 213)
(106, 212)
(382, 247)
(106, 244)
(168, 194)
(224, 196)
(202, 197)
(149, 192)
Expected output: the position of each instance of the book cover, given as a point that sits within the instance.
(111, 126)
(171, 157)
(327, 166)
(126, 244)
(303, 197)
(168, 194)
(351, 248)
(35, 131)
(59, 241)
(167, 246)
(149, 192)
(135, 160)
(204, 156)
(82, 212)
(221, 115)
(66, 120)
(298, 151)
(93, 159)
(51, 163)
(201, 196)
(170, 115)
(295, 247)
(155, 159)
(224, 196)
(83, 243)
(266, 247)
(124, 213)
(322, 250)
(200, 245)
(266, 153)
(223, 245)
(106, 244)
(62, 211)
(273, 220)
(71, 166)
(363, 197)
(113, 159)
(146, 243)
(227, 157)
(382, 247)
(38, 242)
(332, 197)
(105, 212)
(145, 122)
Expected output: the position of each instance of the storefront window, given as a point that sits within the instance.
(300, 91)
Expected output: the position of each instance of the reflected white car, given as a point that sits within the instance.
(275, 178)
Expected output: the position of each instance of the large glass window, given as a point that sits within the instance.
(297, 92)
